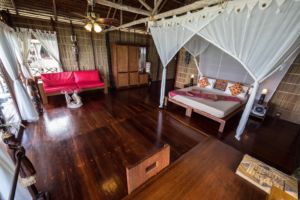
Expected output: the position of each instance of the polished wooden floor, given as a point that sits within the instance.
(82, 154)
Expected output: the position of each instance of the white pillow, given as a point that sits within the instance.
(210, 80)
(241, 95)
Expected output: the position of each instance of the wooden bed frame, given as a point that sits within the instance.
(190, 110)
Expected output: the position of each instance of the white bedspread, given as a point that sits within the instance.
(219, 109)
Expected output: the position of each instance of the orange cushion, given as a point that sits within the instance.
(221, 84)
(204, 82)
(236, 89)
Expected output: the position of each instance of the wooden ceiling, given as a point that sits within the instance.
(64, 8)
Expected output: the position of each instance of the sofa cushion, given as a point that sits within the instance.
(60, 88)
(91, 84)
(58, 79)
(87, 76)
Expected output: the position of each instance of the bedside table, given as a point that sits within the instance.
(259, 111)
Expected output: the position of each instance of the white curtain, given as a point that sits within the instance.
(9, 60)
(49, 41)
(173, 37)
(216, 63)
(7, 169)
(196, 45)
(257, 33)
(258, 37)
(22, 45)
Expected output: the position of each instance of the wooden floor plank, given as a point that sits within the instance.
(205, 172)
(82, 153)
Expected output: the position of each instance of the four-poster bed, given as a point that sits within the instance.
(218, 110)
(262, 35)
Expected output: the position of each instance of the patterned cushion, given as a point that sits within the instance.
(204, 82)
(236, 89)
(221, 84)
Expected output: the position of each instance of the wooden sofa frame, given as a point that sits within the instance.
(45, 96)
(190, 110)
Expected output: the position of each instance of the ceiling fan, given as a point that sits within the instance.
(92, 21)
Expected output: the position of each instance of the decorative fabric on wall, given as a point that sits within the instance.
(49, 41)
(8, 58)
(260, 34)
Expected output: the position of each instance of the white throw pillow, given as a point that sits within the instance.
(241, 95)
(210, 80)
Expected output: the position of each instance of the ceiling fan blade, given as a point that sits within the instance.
(108, 21)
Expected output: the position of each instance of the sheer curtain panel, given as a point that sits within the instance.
(9, 60)
(49, 41)
(22, 46)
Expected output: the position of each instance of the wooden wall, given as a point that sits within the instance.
(184, 71)
(85, 46)
(65, 46)
(152, 56)
(286, 99)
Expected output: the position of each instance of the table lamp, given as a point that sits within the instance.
(192, 80)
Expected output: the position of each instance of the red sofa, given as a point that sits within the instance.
(56, 83)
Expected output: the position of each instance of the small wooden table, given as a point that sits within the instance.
(255, 116)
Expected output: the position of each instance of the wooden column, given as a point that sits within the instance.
(110, 71)
(93, 48)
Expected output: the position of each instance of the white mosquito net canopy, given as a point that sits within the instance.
(262, 35)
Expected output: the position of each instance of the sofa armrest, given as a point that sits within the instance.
(42, 92)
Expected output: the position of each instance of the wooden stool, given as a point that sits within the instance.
(147, 168)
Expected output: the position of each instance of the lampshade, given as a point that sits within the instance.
(192, 76)
(88, 26)
(264, 91)
(97, 28)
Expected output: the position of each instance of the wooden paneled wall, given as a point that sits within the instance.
(184, 71)
(85, 46)
(146, 40)
(286, 99)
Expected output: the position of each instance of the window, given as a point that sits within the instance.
(39, 60)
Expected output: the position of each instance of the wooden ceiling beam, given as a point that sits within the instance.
(54, 10)
(193, 6)
(15, 6)
(157, 4)
(162, 6)
(146, 5)
(136, 16)
(123, 7)
(108, 13)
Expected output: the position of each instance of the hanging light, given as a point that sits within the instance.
(88, 26)
(97, 28)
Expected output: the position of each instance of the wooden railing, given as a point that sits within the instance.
(19, 155)
(24, 167)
